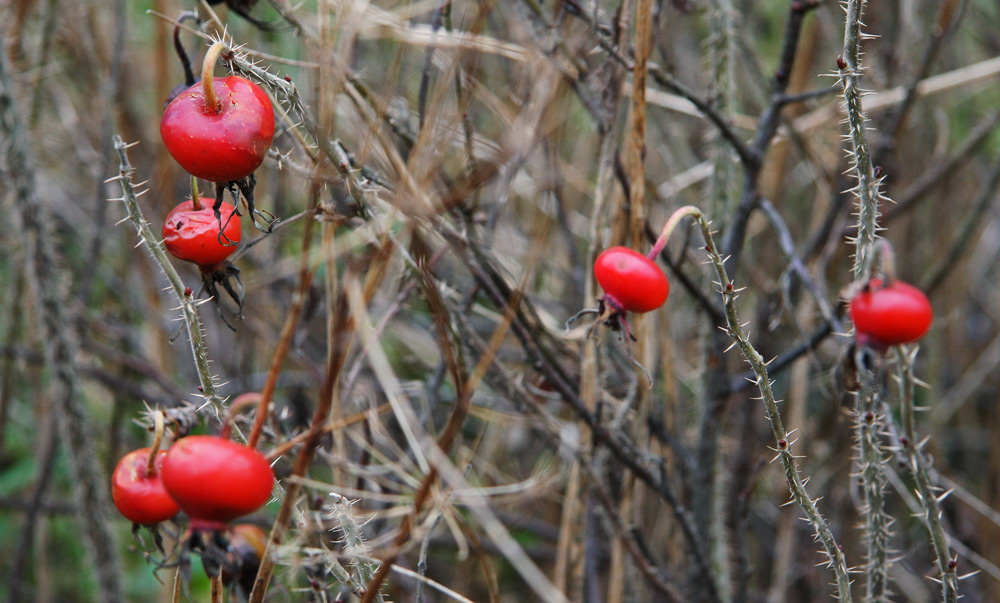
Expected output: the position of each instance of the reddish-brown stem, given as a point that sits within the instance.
(329, 427)
(284, 343)
(157, 440)
(207, 67)
(218, 595)
(175, 596)
(241, 402)
(668, 228)
(887, 261)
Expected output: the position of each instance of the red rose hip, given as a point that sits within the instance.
(139, 493)
(219, 143)
(893, 314)
(631, 281)
(193, 234)
(215, 480)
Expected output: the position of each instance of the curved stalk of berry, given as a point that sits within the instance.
(207, 68)
(679, 214)
(887, 261)
(835, 557)
(930, 500)
(156, 249)
(158, 425)
(867, 188)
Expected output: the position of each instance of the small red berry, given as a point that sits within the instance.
(193, 234)
(631, 281)
(215, 480)
(894, 314)
(138, 493)
(223, 145)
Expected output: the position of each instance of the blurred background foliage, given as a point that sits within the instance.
(528, 98)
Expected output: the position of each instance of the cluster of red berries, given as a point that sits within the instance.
(219, 130)
(213, 480)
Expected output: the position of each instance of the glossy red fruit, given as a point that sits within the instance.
(193, 234)
(215, 480)
(891, 315)
(139, 494)
(631, 281)
(223, 145)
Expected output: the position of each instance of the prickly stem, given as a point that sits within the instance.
(919, 468)
(795, 481)
(159, 254)
(867, 189)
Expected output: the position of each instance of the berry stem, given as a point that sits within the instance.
(157, 440)
(887, 261)
(668, 228)
(207, 67)
(195, 195)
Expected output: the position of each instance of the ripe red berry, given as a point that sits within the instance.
(215, 480)
(223, 145)
(631, 281)
(891, 315)
(139, 494)
(193, 234)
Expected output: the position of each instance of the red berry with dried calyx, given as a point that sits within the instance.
(192, 234)
(631, 281)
